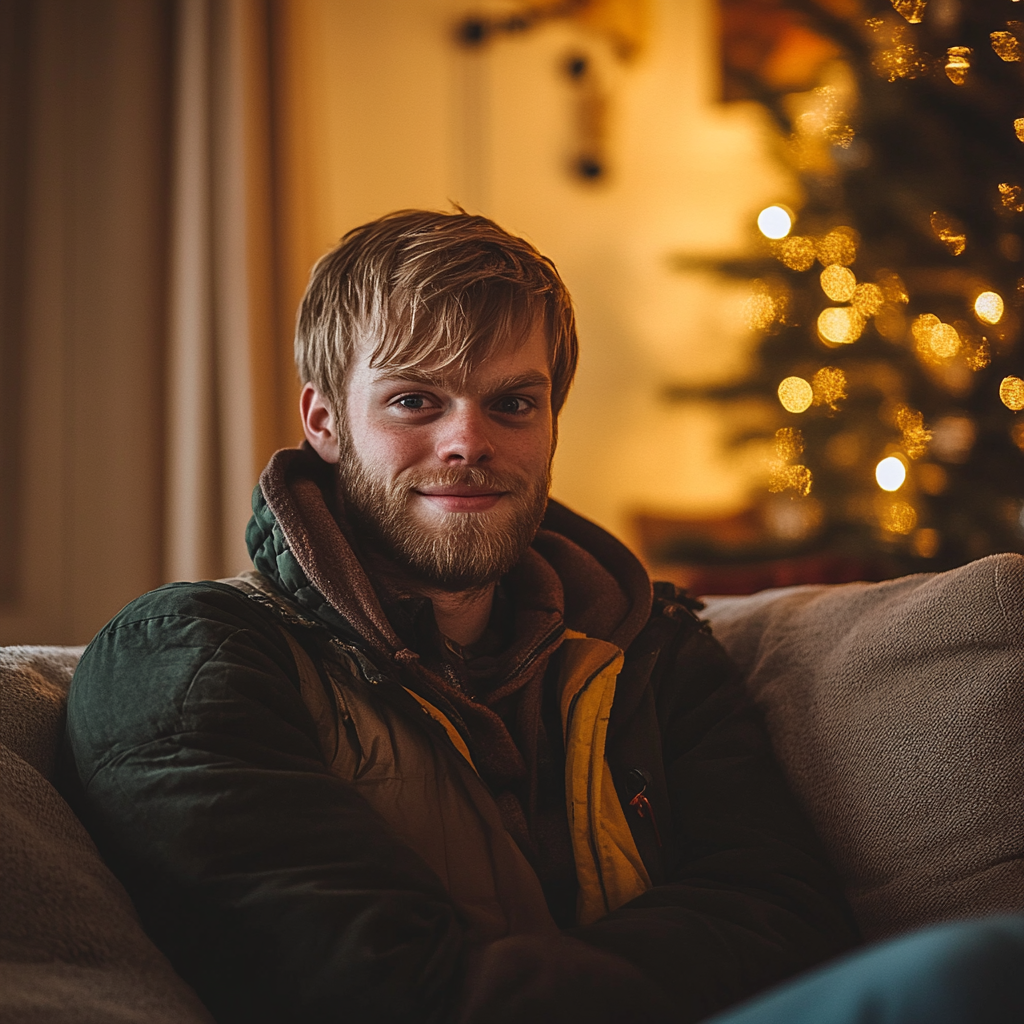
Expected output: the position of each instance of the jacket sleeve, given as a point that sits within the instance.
(748, 897)
(272, 886)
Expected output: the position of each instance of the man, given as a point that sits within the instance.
(444, 756)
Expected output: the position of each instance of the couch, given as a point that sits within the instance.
(896, 710)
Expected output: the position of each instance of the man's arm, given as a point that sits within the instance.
(749, 898)
(273, 887)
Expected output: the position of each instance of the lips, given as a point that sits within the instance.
(462, 499)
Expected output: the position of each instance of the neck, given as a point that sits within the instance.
(461, 616)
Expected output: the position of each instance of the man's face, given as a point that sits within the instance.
(450, 474)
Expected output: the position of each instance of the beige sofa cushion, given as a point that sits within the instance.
(897, 711)
(71, 947)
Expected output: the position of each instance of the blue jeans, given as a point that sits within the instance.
(969, 972)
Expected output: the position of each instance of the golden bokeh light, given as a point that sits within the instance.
(1017, 434)
(891, 473)
(829, 385)
(1007, 46)
(838, 283)
(958, 63)
(1011, 196)
(892, 286)
(989, 308)
(926, 542)
(797, 253)
(923, 326)
(936, 341)
(840, 325)
(868, 299)
(839, 246)
(912, 10)
(775, 222)
(1011, 393)
(891, 323)
(1018, 127)
(950, 232)
(789, 478)
(796, 394)
(903, 59)
(789, 443)
(945, 341)
(977, 354)
(915, 435)
(760, 310)
(898, 517)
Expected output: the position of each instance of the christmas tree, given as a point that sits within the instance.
(889, 303)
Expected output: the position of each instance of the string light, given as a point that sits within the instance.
(840, 325)
(796, 394)
(904, 60)
(829, 385)
(1018, 127)
(1007, 46)
(1011, 196)
(915, 436)
(899, 517)
(839, 246)
(958, 63)
(775, 222)
(767, 304)
(989, 307)
(892, 286)
(936, 341)
(945, 341)
(950, 232)
(891, 473)
(868, 299)
(838, 283)
(789, 443)
(1011, 393)
(912, 10)
(797, 253)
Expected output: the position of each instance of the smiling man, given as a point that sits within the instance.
(445, 755)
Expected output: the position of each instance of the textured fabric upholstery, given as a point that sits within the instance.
(897, 711)
(71, 948)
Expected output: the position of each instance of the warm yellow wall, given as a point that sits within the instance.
(385, 112)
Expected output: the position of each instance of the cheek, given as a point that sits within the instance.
(392, 451)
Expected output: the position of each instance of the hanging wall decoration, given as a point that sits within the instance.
(620, 25)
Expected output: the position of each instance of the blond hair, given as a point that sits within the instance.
(436, 289)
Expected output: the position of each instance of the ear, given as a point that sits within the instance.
(318, 423)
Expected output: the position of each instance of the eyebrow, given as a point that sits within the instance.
(515, 382)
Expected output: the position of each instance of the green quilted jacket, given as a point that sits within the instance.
(301, 825)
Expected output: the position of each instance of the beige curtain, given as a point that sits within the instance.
(145, 370)
(223, 378)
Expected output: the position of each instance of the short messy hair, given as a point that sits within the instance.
(420, 286)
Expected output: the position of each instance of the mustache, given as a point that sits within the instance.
(463, 476)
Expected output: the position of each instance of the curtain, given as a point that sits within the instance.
(223, 380)
(145, 368)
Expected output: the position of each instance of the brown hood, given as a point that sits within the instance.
(575, 570)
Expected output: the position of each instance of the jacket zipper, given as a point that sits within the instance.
(640, 803)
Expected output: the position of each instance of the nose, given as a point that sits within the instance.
(464, 436)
